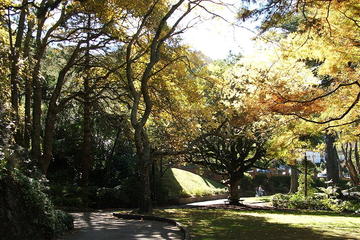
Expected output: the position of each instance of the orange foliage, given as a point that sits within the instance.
(282, 105)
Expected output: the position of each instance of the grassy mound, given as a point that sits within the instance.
(180, 183)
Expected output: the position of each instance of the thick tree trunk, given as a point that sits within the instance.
(145, 204)
(234, 191)
(331, 158)
(294, 180)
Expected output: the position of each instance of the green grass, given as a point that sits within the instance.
(181, 183)
(256, 225)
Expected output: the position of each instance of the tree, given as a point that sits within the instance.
(351, 151)
(237, 134)
(231, 151)
(158, 25)
(325, 37)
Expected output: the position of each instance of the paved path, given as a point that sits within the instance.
(103, 226)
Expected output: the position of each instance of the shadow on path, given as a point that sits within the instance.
(103, 226)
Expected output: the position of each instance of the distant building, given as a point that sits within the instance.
(315, 157)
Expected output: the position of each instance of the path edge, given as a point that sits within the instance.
(185, 232)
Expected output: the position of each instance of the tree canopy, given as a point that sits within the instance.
(94, 85)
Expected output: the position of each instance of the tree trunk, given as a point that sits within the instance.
(353, 174)
(52, 112)
(350, 165)
(15, 50)
(331, 158)
(144, 166)
(234, 192)
(48, 140)
(28, 90)
(145, 205)
(37, 89)
(86, 158)
(109, 160)
(141, 94)
(294, 183)
(41, 43)
(357, 157)
(36, 114)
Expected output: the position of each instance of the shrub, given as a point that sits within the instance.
(352, 206)
(280, 200)
(314, 202)
(297, 201)
(26, 211)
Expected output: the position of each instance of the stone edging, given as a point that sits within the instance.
(154, 218)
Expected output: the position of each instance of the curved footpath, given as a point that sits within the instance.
(102, 225)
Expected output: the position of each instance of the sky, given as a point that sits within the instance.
(216, 37)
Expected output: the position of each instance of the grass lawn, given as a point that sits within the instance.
(242, 225)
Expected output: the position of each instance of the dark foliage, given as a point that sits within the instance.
(25, 210)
